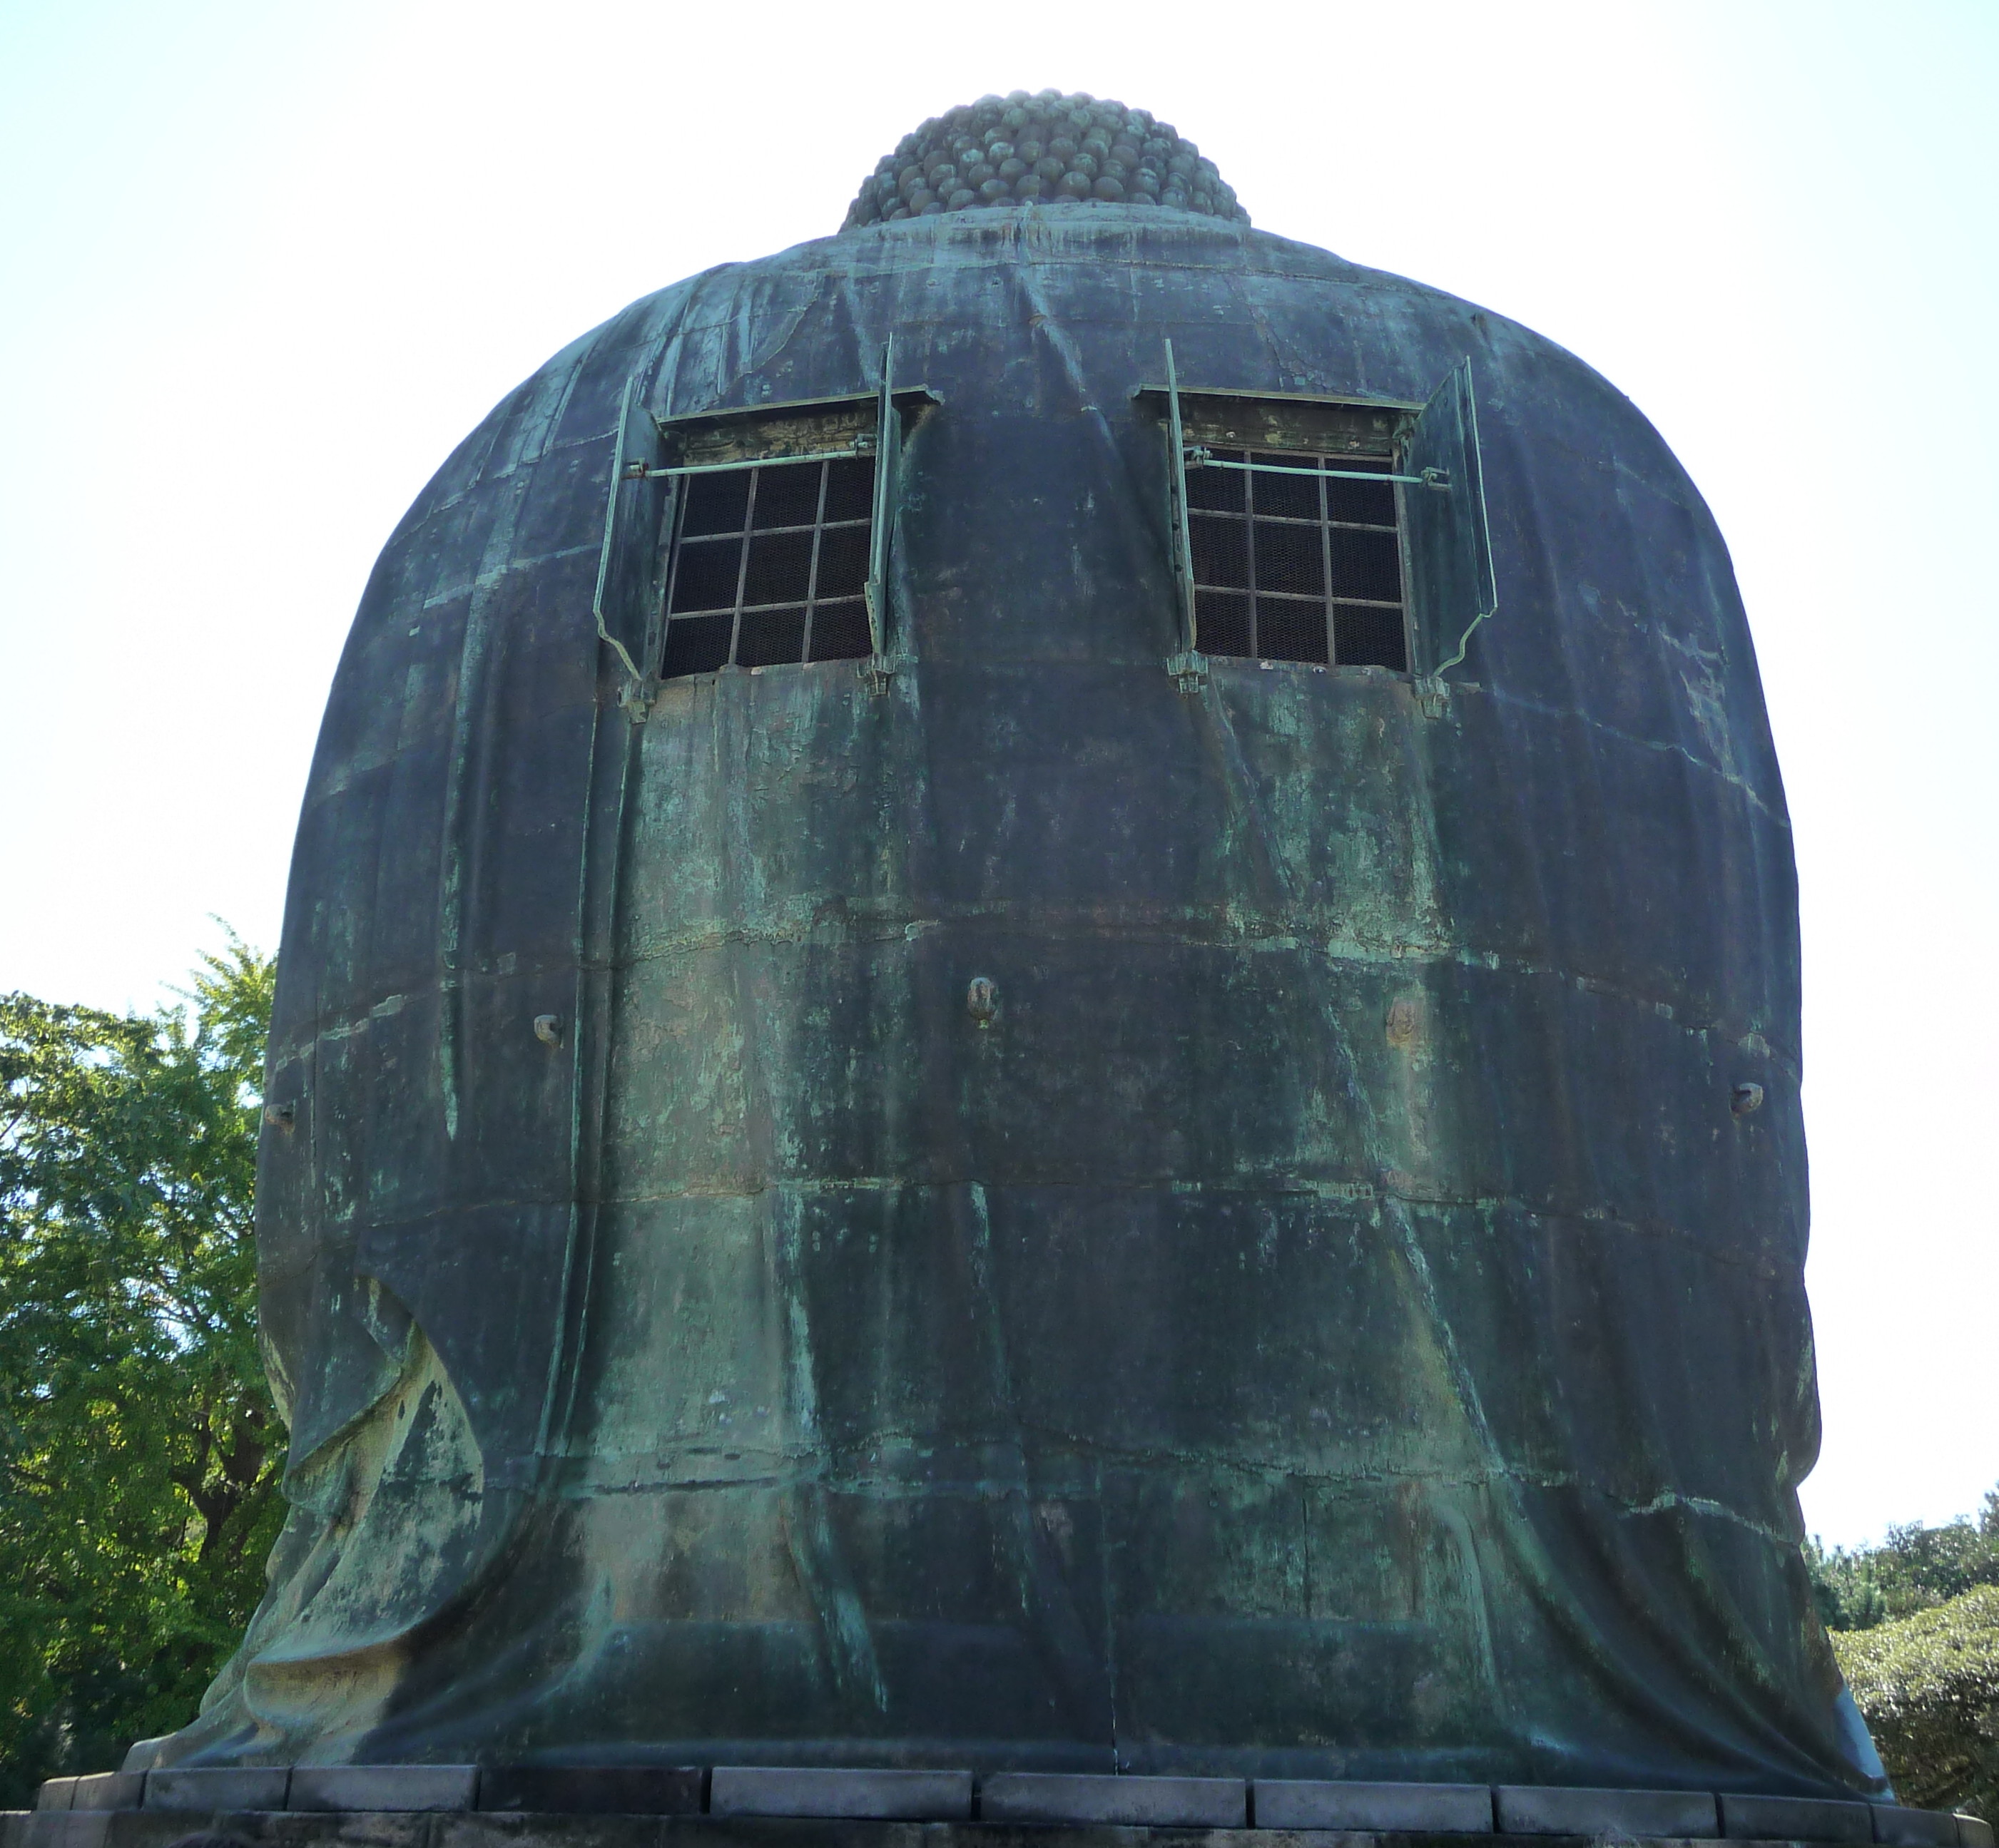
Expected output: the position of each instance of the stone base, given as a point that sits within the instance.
(413, 1829)
(755, 1806)
(440, 1811)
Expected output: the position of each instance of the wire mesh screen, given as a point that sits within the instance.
(768, 567)
(1297, 566)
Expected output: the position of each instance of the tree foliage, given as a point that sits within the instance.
(1928, 1688)
(139, 1447)
(1916, 1568)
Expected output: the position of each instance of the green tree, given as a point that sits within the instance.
(1916, 1568)
(1844, 1586)
(139, 1447)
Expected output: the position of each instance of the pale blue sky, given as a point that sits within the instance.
(263, 265)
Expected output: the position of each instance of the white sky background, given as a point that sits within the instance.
(261, 266)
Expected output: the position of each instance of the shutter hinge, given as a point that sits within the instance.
(1189, 670)
(877, 671)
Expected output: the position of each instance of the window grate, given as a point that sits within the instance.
(1305, 566)
(769, 566)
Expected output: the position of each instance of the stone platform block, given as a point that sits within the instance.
(1063, 1797)
(109, 1790)
(593, 1790)
(1896, 1827)
(1558, 1809)
(62, 1827)
(384, 1786)
(55, 1793)
(1446, 1808)
(794, 1808)
(894, 1796)
(1795, 1819)
(209, 1791)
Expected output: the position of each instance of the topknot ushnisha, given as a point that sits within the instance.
(1047, 148)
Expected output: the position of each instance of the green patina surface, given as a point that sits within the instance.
(1316, 1313)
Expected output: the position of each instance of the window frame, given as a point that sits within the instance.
(742, 613)
(1436, 465)
(655, 456)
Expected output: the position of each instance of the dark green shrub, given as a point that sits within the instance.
(1928, 1687)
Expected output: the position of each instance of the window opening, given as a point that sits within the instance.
(770, 531)
(1296, 558)
(770, 564)
(1335, 532)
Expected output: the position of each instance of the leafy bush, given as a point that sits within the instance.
(139, 1448)
(1928, 1688)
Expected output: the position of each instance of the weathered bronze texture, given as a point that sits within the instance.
(998, 1206)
